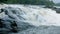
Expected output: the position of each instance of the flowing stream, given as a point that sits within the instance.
(33, 15)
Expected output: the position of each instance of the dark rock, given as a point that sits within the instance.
(48, 7)
(1, 10)
(14, 26)
(1, 23)
(58, 10)
(6, 12)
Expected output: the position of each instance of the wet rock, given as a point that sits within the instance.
(1, 10)
(1, 23)
(14, 26)
(58, 10)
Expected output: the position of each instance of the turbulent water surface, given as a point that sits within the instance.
(32, 17)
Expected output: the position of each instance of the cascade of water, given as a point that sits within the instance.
(26, 18)
(33, 15)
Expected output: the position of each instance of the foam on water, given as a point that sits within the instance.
(34, 15)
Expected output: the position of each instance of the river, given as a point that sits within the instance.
(31, 14)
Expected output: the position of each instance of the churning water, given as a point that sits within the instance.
(34, 15)
(29, 16)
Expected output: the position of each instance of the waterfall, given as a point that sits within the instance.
(34, 15)
(30, 19)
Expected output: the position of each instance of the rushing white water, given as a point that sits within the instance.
(34, 15)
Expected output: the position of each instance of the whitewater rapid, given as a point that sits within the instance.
(34, 15)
